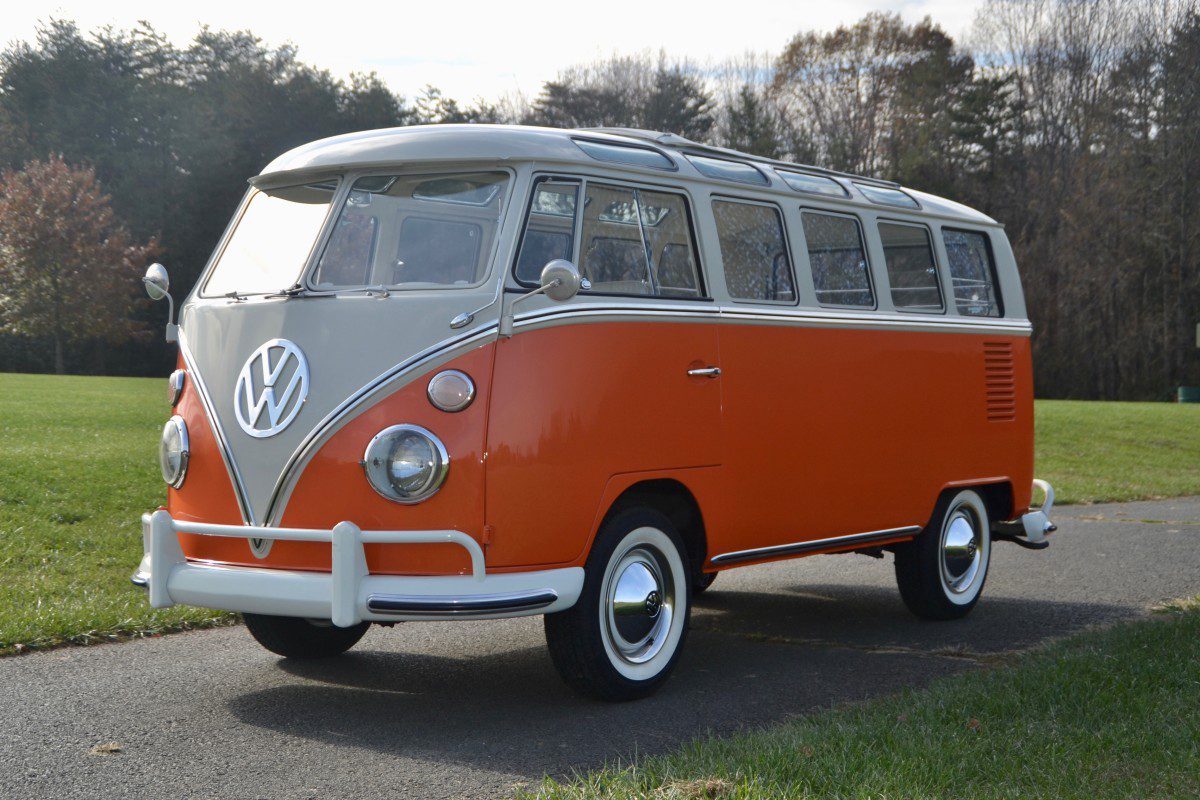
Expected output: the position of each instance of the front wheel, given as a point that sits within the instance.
(941, 572)
(623, 636)
(291, 637)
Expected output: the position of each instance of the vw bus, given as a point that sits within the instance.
(468, 372)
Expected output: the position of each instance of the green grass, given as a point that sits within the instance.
(1109, 714)
(1096, 452)
(78, 467)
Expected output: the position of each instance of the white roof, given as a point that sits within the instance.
(390, 147)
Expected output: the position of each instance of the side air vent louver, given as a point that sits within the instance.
(1000, 387)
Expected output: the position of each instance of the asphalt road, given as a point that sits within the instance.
(438, 710)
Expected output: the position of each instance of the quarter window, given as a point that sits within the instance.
(912, 272)
(550, 230)
(972, 272)
(754, 252)
(838, 260)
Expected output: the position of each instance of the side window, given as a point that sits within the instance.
(550, 229)
(668, 232)
(972, 272)
(912, 272)
(838, 260)
(754, 252)
(612, 253)
(637, 241)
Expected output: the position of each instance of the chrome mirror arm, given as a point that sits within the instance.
(172, 332)
(507, 321)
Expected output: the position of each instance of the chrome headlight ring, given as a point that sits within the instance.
(174, 451)
(406, 463)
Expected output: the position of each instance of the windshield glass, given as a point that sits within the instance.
(272, 240)
(414, 231)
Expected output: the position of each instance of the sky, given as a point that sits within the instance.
(486, 50)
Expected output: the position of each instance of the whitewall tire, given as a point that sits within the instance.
(622, 638)
(941, 573)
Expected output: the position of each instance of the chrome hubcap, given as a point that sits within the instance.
(640, 604)
(961, 550)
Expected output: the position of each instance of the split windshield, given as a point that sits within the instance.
(394, 231)
(272, 240)
(413, 231)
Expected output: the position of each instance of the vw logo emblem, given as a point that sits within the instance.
(275, 380)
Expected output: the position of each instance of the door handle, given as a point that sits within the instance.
(705, 372)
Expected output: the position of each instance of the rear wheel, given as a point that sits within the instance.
(941, 573)
(623, 636)
(292, 637)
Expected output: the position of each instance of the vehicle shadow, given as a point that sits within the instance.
(751, 659)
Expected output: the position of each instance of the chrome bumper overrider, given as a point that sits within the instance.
(347, 594)
(1031, 529)
(1037, 524)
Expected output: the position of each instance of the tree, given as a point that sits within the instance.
(68, 268)
(627, 91)
(434, 108)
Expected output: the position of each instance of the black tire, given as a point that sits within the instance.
(945, 582)
(292, 637)
(703, 581)
(638, 550)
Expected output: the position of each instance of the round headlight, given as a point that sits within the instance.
(451, 390)
(406, 463)
(173, 451)
(175, 386)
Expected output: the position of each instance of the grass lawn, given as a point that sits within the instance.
(78, 466)
(1109, 714)
(1095, 452)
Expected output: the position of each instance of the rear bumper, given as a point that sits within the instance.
(1031, 528)
(1036, 524)
(347, 594)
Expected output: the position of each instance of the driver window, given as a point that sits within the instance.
(631, 241)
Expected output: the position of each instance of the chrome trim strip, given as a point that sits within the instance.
(214, 422)
(460, 606)
(327, 426)
(810, 318)
(796, 548)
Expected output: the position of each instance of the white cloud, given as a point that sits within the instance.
(486, 49)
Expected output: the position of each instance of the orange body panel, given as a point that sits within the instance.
(207, 493)
(574, 405)
(832, 432)
(809, 433)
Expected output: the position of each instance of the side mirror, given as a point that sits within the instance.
(157, 282)
(561, 280)
(158, 286)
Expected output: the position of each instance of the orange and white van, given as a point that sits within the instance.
(463, 372)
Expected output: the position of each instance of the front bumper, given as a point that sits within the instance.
(348, 594)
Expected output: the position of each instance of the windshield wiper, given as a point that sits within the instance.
(295, 290)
